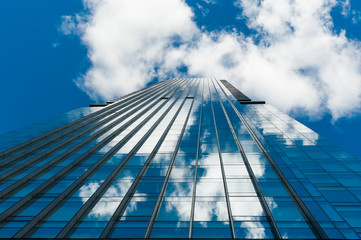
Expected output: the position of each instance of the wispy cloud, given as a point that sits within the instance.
(294, 60)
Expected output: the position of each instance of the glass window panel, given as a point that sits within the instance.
(46, 232)
(235, 171)
(297, 233)
(148, 188)
(338, 196)
(210, 188)
(130, 229)
(208, 159)
(67, 211)
(36, 207)
(170, 230)
(175, 210)
(139, 207)
(210, 211)
(246, 206)
(231, 158)
(240, 186)
(254, 229)
(209, 172)
(179, 189)
(89, 230)
(185, 159)
(352, 218)
(182, 172)
(273, 189)
(284, 210)
(211, 230)
(228, 146)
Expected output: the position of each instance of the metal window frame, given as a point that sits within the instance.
(90, 203)
(261, 198)
(67, 128)
(26, 180)
(222, 169)
(128, 196)
(67, 142)
(196, 167)
(65, 171)
(169, 170)
(56, 203)
(311, 221)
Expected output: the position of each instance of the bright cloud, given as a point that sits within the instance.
(127, 40)
(294, 61)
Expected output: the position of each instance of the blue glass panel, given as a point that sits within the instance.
(348, 179)
(140, 207)
(67, 211)
(338, 196)
(170, 230)
(36, 207)
(316, 211)
(89, 230)
(297, 233)
(46, 232)
(177, 210)
(273, 189)
(284, 211)
(333, 233)
(352, 218)
(210, 211)
(26, 133)
(129, 229)
(330, 211)
(211, 230)
(333, 166)
(147, 188)
(8, 232)
(254, 229)
(179, 189)
(349, 233)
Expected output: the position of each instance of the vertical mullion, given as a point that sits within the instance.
(16, 170)
(78, 126)
(311, 221)
(85, 156)
(127, 198)
(25, 180)
(222, 169)
(65, 128)
(161, 194)
(196, 167)
(107, 182)
(251, 174)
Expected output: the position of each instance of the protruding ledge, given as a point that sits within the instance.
(252, 102)
(101, 104)
(241, 98)
(98, 105)
(235, 92)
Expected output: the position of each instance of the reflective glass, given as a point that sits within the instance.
(212, 174)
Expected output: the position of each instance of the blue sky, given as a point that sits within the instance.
(58, 55)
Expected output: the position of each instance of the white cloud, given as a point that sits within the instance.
(67, 25)
(126, 40)
(295, 61)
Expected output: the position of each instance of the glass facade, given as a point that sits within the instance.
(184, 158)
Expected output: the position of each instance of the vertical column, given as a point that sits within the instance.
(251, 213)
(108, 149)
(211, 216)
(292, 217)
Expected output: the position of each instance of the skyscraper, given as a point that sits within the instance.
(184, 158)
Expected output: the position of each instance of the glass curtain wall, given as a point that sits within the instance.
(178, 159)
